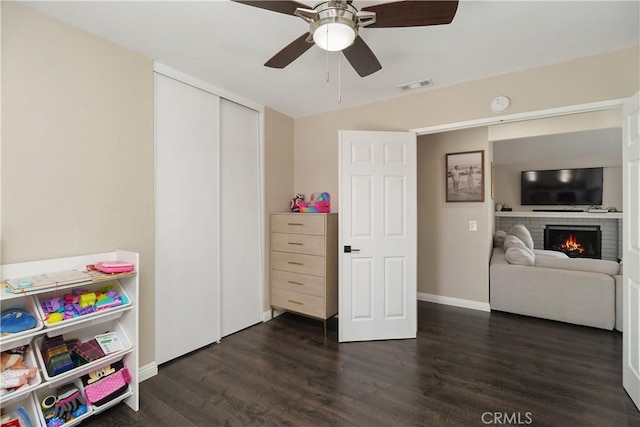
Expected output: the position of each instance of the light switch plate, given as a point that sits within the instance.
(473, 225)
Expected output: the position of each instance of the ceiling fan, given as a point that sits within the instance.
(334, 26)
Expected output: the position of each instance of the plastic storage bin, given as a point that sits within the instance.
(84, 335)
(17, 339)
(30, 362)
(44, 392)
(93, 287)
(28, 404)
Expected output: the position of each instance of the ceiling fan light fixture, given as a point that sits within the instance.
(333, 24)
(334, 36)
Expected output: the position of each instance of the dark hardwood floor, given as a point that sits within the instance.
(466, 368)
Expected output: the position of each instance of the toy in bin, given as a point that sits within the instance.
(81, 302)
(107, 383)
(17, 418)
(14, 372)
(66, 404)
(114, 266)
(16, 320)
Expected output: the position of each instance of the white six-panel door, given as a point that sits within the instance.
(378, 220)
(631, 248)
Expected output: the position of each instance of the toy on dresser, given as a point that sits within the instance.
(295, 202)
(319, 203)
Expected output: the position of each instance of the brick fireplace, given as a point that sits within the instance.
(610, 227)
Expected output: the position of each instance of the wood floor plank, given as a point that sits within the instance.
(463, 364)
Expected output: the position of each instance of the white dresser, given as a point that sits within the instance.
(304, 264)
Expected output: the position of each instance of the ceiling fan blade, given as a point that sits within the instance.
(412, 13)
(362, 58)
(286, 7)
(290, 52)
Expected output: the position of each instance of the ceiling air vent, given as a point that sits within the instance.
(416, 85)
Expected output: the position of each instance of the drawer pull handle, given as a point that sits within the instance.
(295, 283)
(296, 243)
(295, 263)
(296, 223)
(295, 302)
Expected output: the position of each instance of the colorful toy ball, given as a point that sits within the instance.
(295, 202)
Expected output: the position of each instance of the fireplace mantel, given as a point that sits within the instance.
(565, 214)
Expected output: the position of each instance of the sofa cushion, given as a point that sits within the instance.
(522, 233)
(498, 238)
(519, 256)
(545, 252)
(513, 242)
(579, 264)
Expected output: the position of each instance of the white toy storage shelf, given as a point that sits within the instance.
(122, 319)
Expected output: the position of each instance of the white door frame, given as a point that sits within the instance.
(519, 117)
(631, 250)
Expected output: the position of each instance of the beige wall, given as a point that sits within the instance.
(452, 261)
(604, 119)
(77, 148)
(602, 77)
(278, 159)
(597, 78)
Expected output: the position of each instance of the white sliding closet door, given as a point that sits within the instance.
(187, 218)
(240, 218)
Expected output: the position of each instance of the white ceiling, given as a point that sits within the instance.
(226, 43)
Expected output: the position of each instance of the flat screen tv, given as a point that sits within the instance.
(562, 187)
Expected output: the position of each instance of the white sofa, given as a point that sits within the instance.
(552, 286)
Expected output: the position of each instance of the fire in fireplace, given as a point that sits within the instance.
(572, 244)
(577, 241)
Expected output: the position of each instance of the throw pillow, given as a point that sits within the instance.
(513, 242)
(498, 238)
(519, 256)
(579, 264)
(522, 233)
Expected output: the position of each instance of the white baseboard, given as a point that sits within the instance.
(456, 302)
(266, 316)
(147, 371)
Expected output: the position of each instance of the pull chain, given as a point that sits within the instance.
(339, 80)
(327, 54)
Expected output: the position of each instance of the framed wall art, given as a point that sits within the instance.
(464, 173)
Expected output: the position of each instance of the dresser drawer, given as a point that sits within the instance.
(298, 224)
(298, 243)
(296, 282)
(295, 301)
(297, 263)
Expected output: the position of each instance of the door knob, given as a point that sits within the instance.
(348, 249)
